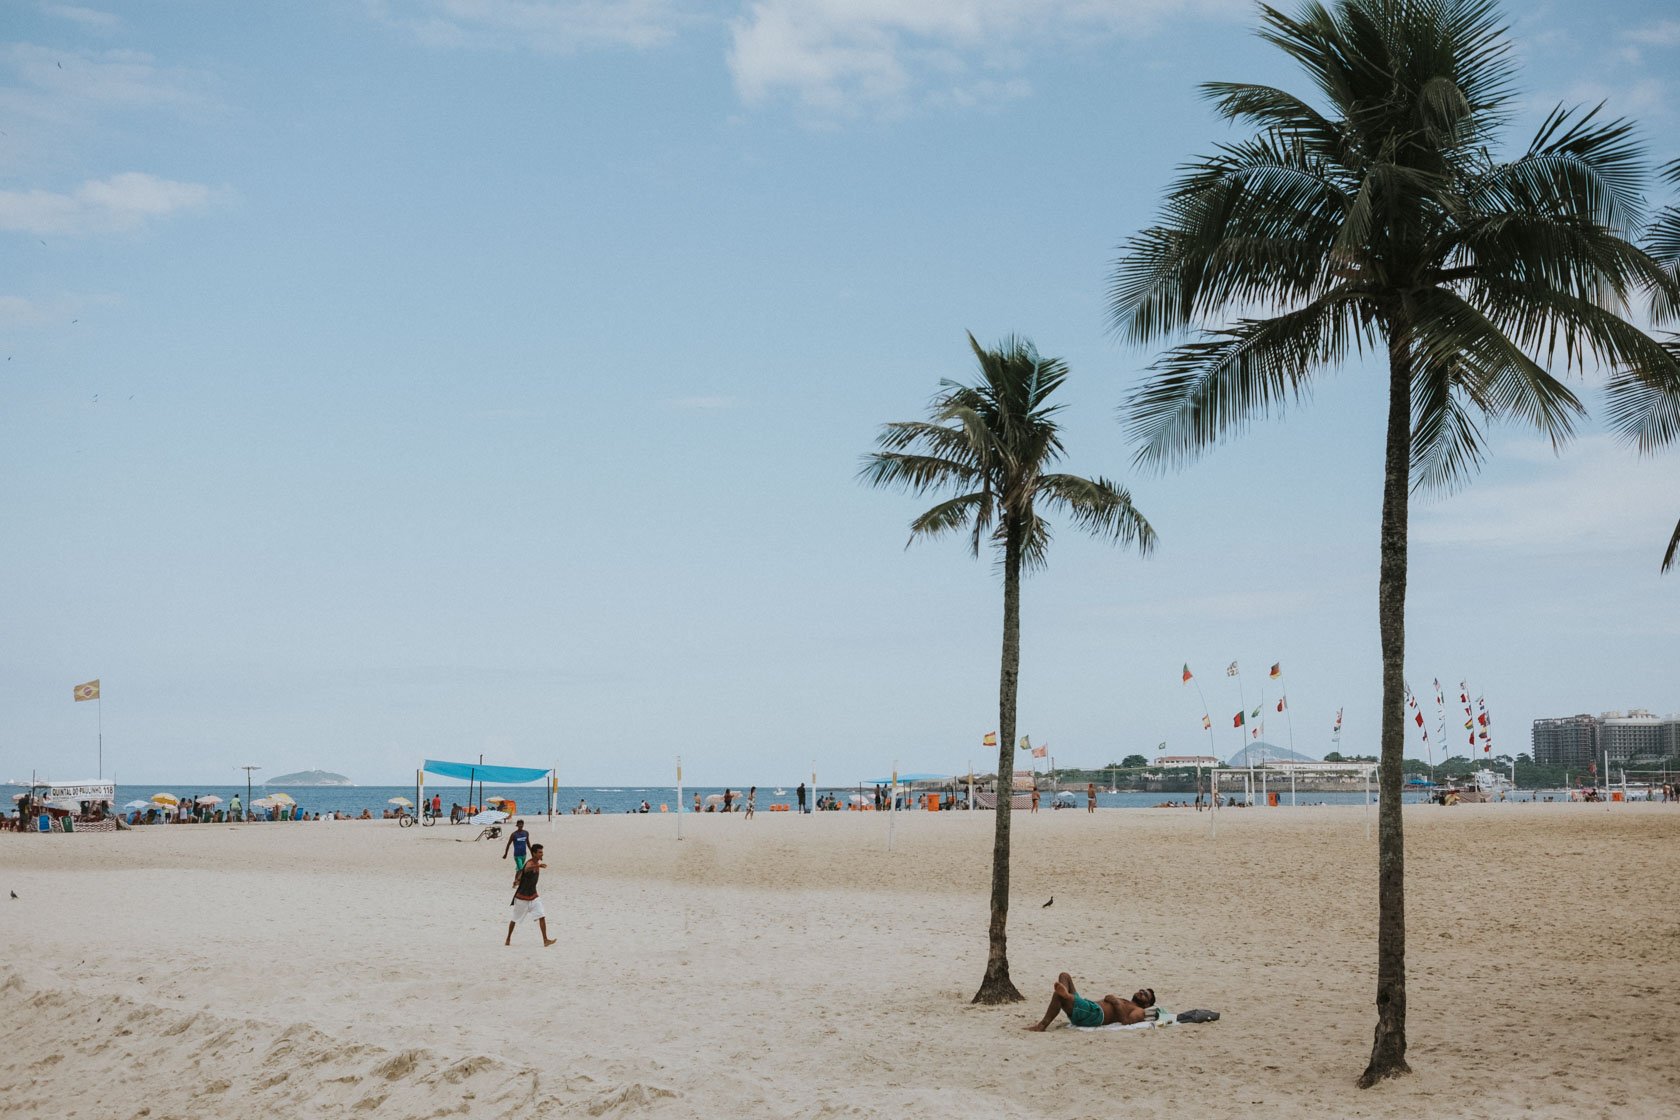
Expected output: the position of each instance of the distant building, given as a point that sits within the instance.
(1186, 760)
(1569, 741)
(1624, 736)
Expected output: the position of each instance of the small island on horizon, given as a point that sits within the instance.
(310, 778)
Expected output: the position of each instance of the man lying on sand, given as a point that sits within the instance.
(1081, 1012)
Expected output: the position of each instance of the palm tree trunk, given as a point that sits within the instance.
(996, 987)
(1388, 1047)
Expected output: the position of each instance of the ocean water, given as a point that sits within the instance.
(531, 801)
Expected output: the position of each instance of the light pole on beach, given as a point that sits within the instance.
(247, 770)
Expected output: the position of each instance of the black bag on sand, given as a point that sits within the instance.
(1198, 1016)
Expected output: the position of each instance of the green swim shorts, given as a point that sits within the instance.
(1085, 1013)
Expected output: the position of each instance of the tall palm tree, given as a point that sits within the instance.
(1378, 219)
(993, 443)
(1664, 245)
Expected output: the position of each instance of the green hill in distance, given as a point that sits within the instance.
(310, 778)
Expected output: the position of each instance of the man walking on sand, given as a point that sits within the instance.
(517, 842)
(1090, 797)
(801, 792)
(526, 904)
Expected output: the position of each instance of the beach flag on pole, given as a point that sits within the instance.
(1041, 751)
(88, 691)
(1255, 714)
(1283, 702)
(990, 740)
(1420, 719)
(1026, 743)
(1207, 724)
(1277, 670)
(1186, 673)
(1237, 720)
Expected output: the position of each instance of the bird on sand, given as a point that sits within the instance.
(1046, 906)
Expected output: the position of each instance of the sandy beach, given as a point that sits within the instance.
(794, 967)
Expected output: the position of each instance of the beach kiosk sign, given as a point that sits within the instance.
(82, 791)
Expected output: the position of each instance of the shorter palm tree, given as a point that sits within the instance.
(993, 443)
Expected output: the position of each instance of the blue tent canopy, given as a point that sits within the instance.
(479, 772)
(902, 778)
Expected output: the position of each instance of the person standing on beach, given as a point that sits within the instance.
(801, 792)
(697, 801)
(1090, 797)
(1035, 799)
(517, 842)
(437, 805)
(752, 796)
(526, 904)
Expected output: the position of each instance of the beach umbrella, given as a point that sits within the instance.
(403, 801)
(211, 800)
(495, 801)
(68, 803)
(282, 799)
(489, 816)
(141, 805)
(166, 799)
(265, 803)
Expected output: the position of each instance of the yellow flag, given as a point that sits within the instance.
(88, 691)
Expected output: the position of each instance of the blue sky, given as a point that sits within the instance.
(427, 378)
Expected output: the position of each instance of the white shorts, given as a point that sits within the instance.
(527, 908)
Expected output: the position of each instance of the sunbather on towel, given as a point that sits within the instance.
(1082, 1012)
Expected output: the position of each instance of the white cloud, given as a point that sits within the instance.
(16, 312)
(74, 80)
(848, 55)
(89, 18)
(1596, 496)
(552, 26)
(122, 202)
(1663, 33)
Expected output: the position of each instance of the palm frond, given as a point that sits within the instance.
(1101, 508)
(915, 473)
(1473, 355)
(1447, 442)
(1203, 389)
(1673, 548)
(1644, 409)
(1575, 165)
(949, 516)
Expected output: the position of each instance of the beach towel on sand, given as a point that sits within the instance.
(1164, 1019)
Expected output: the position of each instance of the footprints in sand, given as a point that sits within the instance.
(240, 1066)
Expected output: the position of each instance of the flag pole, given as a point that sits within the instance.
(99, 707)
(679, 797)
